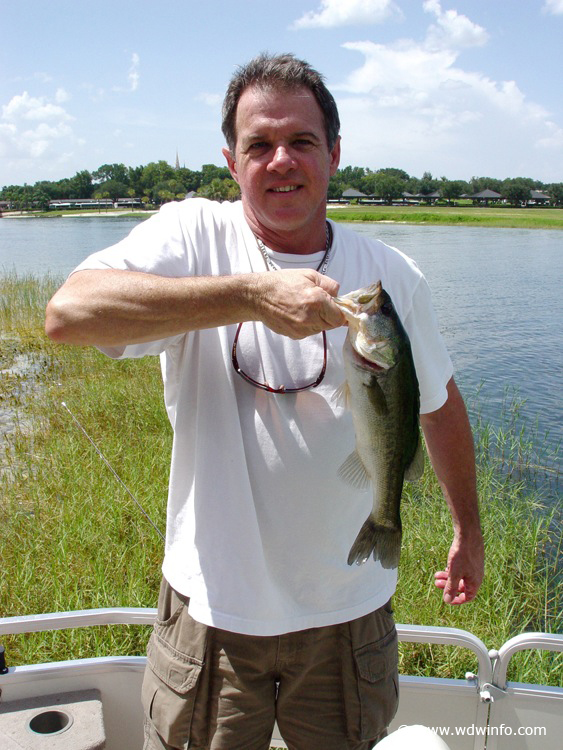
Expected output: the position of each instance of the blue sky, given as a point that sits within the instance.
(459, 88)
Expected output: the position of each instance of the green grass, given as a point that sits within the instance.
(72, 538)
(503, 217)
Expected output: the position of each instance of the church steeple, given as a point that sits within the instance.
(177, 160)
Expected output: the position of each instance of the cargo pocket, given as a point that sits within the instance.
(371, 689)
(175, 656)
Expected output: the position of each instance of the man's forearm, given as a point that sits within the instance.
(450, 446)
(449, 442)
(115, 308)
(109, 307)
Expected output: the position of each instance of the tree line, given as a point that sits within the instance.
(154, 184)
(389, 184)
(159, 182)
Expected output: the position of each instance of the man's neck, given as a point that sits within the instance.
(299, 241)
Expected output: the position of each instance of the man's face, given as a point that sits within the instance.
(283, 164)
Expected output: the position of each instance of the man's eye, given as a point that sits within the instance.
(258, 146)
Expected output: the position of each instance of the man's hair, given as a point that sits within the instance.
(284, 72)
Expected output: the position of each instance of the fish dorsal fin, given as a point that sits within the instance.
(416, 468)
(354, 472)
(341, 396)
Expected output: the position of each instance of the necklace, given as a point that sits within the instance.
(325, 260)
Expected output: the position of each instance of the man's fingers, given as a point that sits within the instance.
(455, 591)
(329, 285)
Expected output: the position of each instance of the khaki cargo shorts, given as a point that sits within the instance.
(331, 688)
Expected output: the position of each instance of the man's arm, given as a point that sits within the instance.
(450, 446)
(115, 308)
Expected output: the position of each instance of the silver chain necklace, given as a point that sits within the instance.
(325, 260)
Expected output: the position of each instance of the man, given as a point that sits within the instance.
(260, 617)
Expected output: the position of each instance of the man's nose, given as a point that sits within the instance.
(281, 161)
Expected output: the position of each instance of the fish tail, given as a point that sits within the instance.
(383, 542)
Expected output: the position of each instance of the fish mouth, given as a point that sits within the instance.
(363, 362)
(361, 302)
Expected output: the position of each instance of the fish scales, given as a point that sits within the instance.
(381, 390)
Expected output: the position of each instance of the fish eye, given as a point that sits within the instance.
(387, 308)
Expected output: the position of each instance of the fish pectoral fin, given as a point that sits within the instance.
(354, 472)
(341, 396)
(416, 468)
(376, 397)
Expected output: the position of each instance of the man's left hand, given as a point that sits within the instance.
(464, 573)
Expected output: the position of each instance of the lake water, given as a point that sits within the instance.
(497, 292)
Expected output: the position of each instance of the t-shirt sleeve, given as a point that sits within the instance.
(433, 364)
(157, 246)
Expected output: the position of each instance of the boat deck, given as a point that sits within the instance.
(481, 712)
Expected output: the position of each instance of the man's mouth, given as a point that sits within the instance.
(285, 189)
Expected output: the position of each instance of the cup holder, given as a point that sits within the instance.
(50, 722)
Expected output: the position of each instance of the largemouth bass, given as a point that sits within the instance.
(381, 389)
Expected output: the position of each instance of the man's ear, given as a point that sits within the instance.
(231, 163)
(335, 157)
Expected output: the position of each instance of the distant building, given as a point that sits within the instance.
(352, 194)
(485, 196)
(539, 198)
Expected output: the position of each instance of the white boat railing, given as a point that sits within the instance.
(82, 618)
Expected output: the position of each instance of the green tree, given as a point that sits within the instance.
(135, 176)
(220, 190)
(40, 199)
(478, 184)
(80, 186)
(113, 189)
(428, 184)
(451, 190)
(210, 172)
(107, 172)
(336, 186)
(156, 172)
(555, 192)
(394, 172)
(189, 179)
(352, 176)
(516, 190)
(101, 194)
(412, 185)
(63, 188)
(388, 187)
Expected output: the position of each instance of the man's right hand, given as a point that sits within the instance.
(297, 303)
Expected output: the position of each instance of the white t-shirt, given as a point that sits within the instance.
(259, 526)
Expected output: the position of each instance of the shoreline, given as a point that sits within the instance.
(42, 215)
(474, 216)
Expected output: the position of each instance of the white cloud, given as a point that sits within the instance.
(23, 106)
(452, 30)
(30, 126)
(412, 99)
(61, 96)
(133, 77)
(210, 100)
(332, 13)
(555, 7)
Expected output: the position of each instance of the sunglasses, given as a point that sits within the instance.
(266, 386)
